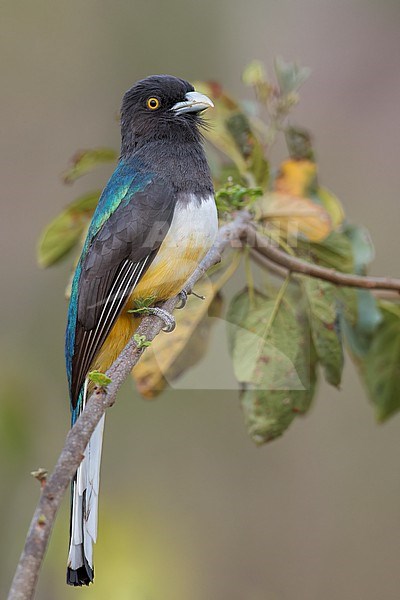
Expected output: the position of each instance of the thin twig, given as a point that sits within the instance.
(26, 576)
(267, 264)
(261, 245)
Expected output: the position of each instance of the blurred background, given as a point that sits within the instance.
(190, 508)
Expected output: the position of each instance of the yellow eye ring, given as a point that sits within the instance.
(153, 103)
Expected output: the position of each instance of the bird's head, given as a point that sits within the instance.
(161, 107)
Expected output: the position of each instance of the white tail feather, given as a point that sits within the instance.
(85, 508)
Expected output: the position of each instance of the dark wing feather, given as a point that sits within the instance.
(117, 258)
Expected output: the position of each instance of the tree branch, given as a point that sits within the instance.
(26, 576)
(261, 247)
(235, 233)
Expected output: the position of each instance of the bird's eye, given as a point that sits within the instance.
(153, 103)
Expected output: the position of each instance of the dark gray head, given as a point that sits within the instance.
(161, 107)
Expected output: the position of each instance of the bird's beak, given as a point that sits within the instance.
(194, 102)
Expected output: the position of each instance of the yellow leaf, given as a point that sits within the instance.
(254, 74)
(296, 177)
(332, 205)
(294, 215)
(170, 355)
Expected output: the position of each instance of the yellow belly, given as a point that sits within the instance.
(164, 279)
(185, 245)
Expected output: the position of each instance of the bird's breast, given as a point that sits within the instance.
(191, 234)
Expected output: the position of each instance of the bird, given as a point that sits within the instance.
(154, 222)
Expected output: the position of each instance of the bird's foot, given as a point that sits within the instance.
(183, 296)
(165, 316)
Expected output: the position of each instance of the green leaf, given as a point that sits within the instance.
(142, 305)
(368, 312)
(232, 133)
(141, 341)
(359, 331)
(99, 379)
(299, 143)
(268, 413)
(290, 76)
(362, 247)
(347, 303)
(233, 197)
(273, 359)
(257, 358)
(334, 251)
(85, 161)
(331, 203)
(239, 127)
(65, 231)
(381, 365)
(325, 327)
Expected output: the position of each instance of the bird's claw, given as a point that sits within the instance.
(165, 316)
(183, 296)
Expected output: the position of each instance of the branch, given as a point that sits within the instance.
(232, 234)
(261, 247)
(26, 576)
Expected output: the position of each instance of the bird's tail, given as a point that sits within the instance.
(84, 509)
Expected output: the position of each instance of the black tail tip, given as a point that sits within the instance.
(82, 576)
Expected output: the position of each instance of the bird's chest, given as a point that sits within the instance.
(191, 234)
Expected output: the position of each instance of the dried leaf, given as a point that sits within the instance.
(289, 206)
(294, 215)
(169, 356)
(297, 176)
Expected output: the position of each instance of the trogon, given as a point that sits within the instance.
(154, 222)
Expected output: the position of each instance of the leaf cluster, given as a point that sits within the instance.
(142, 305)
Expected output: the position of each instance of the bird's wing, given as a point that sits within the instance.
(115, 259)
